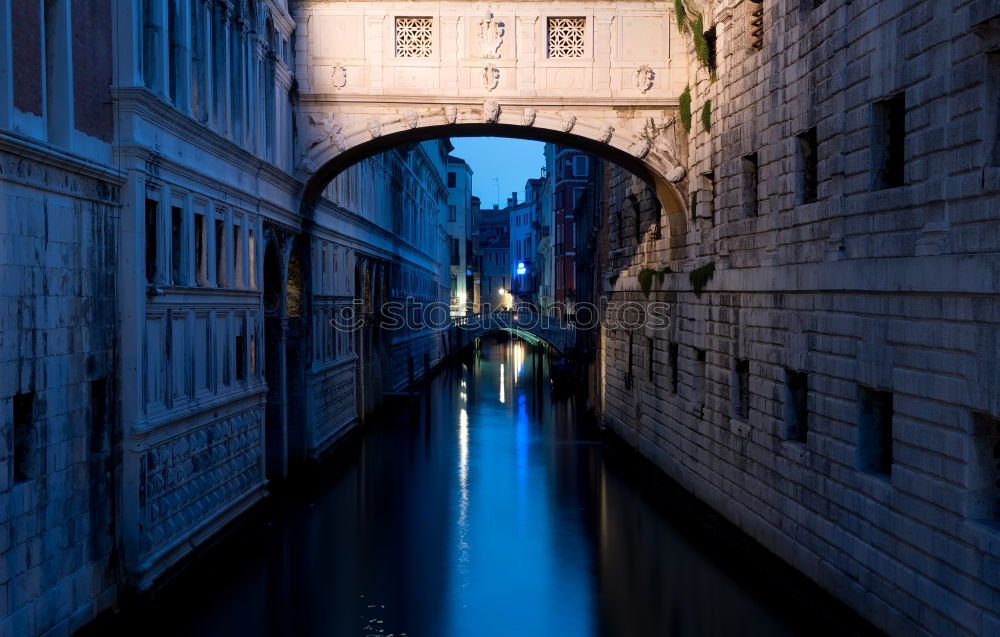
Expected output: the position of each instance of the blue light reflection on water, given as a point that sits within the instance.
(487, 510)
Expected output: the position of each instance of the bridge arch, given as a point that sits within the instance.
(366, 83)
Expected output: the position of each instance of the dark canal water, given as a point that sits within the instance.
(487, 508)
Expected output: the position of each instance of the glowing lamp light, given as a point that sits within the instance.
(521, 268)
(502, 291)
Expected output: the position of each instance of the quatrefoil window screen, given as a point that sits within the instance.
(414, 37)
(566, 37)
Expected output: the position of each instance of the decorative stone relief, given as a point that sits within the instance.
(411, 119)
(606, 132)
(491, 32)
(491, 111)
(643, 78)
(375, 128)
(568, 122)
(329, 131)
(450, 114)
(188, 478)
(339, 76)
(308, 166)
(641, 147)
(676, 174)
(490, 77)
(528, 119)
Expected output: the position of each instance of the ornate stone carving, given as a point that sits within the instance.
(450, 114)
(411, 119)
(491, 111)
(329, 131)
(606, 132)
(187, 478)
(568, 122)
(375, 128)
(643, 78)
(339, 76)
(308, 166)
(676, 174)
(490, 77)
(641, 147)
(491, 32)
(528, 119)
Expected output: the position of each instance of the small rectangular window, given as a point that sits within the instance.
(98, 415)
(649, 361)
(888, 142)
(452, 210)
(220, 253)
(26, 454)
(176, 237)
(699, 381)
(740, 390)
(710, 43)
(984, 468)
(708, 195)
(152, 239)
(751, 186)
(796, 410)
(452, 179)
(252, 258)
(241, 348)
(673, 356)
(874, 421)
(808, 165)
(200, 251)
(237, 258)
(579, 166)
(414, 37)
(566, 37)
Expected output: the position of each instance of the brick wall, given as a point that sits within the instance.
(891, 290)
(57, 396)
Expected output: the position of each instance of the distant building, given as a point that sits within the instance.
(459, 223)
(494, 244)
(569, 174)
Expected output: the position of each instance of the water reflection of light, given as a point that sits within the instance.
(518, 360)
(502, 395)
(463, 487)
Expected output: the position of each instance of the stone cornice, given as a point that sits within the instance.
(143, 103)
(33, 150)
(567, 103)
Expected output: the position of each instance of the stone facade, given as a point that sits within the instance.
(832, 390)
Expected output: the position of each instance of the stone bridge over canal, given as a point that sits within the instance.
(534, 328)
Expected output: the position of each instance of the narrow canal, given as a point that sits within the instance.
(487, 508)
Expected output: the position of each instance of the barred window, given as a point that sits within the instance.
(566, 37)
(414, 37)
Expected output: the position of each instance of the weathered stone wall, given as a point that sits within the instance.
(873, 287)
(58, 304)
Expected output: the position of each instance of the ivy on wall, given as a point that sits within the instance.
(706, 116)
(646, 278)
(684, 103)
(681, 11)
(700, 277)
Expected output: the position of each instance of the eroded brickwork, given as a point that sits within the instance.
(58, 241)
